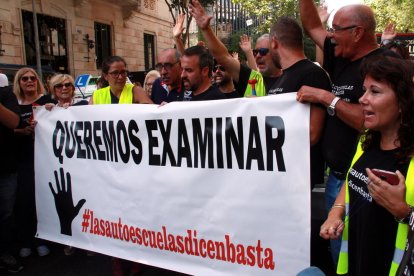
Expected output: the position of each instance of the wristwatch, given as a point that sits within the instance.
(331, 107)
(406, 219)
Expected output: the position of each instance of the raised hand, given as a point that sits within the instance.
(389, 32)
(64, 202)
(245, 43)
(323, 14)
(178, 28)
(201, 17)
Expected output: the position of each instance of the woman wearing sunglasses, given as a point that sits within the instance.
(63, 90)
(29, 91)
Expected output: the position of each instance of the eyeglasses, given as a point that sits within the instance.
(261, 51)
(116, 74)
(166, 66)
(338, 29)
(60, 85)
(217, 67)
(26, 78)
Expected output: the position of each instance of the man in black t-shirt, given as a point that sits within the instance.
(224, 82)
(167, 88)
(287, 51)
(9, 120)
(345, 45)
(197, 64)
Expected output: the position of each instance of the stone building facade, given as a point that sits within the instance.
(75, 35)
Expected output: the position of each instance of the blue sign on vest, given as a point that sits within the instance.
(82, 80)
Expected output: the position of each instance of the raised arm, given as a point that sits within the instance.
(311, 22)
(246, 46)
(216, 47)
(178, 30)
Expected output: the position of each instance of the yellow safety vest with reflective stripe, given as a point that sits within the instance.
(259, 86)
(402, 230)
(103, 95)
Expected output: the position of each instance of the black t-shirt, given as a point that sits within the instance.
(232, 95)
(305, 72)
(81, 102)
(244, 76)
(26, 143)
(161, 94)
(212, 93)
(406, 267)
(339, 140)
(372, 229)
(8, 160)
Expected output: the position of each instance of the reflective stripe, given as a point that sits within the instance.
(347, 208)
(398, 254)
(344, 246)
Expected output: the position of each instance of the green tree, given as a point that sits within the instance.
(400, 12)
(181, 6)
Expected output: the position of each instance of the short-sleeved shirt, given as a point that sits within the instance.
(372, 228)
(305, 72)
(8, 160)
(161, 94)
(212, 93)
(339, 140)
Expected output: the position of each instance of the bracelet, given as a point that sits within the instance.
(338, 206)
(406, 219)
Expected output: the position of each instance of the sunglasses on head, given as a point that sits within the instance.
(261, 51)
(217, 67)
(26, 78)
(60, 85)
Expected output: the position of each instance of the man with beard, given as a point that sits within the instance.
(197, 64)
(167, 88)
(224, 82)
(241, 74)
(345, 45)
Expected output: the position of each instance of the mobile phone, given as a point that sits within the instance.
(390, 177)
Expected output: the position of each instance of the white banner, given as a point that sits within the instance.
(204, 188)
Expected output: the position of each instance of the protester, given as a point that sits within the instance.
(371, 242)
(114, 70)
(29, 92)
(119, 92)
(63, 90)
(149, 81)
(240, 74)
(197, 64)
(389, 42)
(9, 119)
(224, 82)
(167, 88)
(345, 45)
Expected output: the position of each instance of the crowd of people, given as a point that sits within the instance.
(361, 124)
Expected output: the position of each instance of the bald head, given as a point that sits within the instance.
(360, 15)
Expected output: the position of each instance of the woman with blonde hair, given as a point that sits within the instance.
(29, 91)
(62, 87)
(149, 80)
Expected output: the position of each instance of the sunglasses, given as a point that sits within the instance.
(60, 85)
(26, 78)
(166, 66)
(217, 67)
(261, 51)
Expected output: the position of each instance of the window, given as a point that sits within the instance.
(149, 49)
(102, 43)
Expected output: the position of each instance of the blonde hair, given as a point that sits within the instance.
(40, 89)
(152, 73)
(58, 79)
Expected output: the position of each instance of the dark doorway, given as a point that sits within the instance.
(52, 38)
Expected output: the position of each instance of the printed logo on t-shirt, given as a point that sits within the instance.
(342, 90)
(188, 95)
(275, 91)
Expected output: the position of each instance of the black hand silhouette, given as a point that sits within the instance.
(64, 202)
